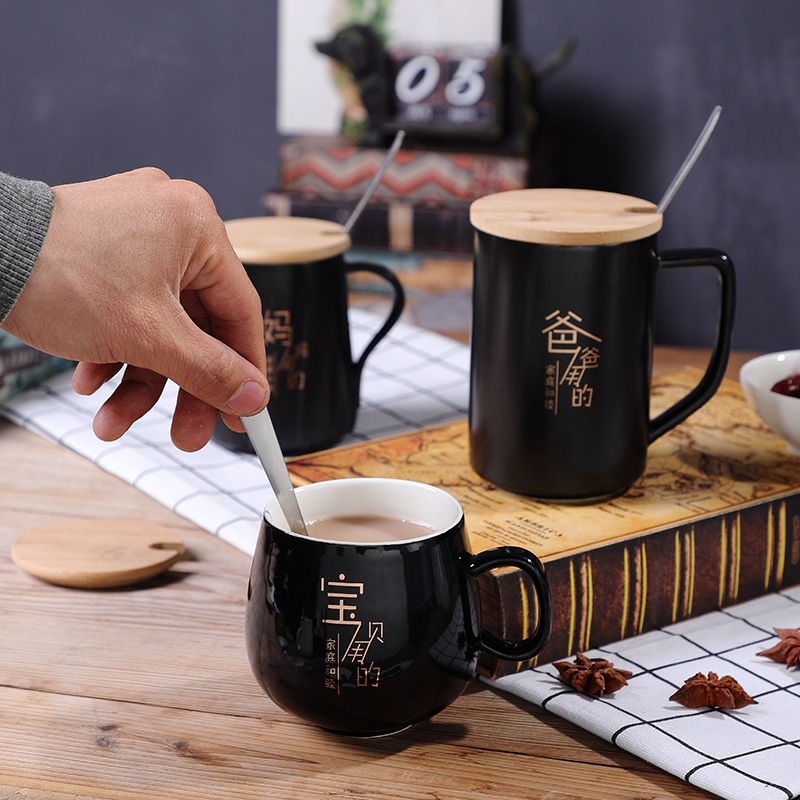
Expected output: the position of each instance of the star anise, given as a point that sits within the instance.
(787, 651)
(595, 676)
(724, 692)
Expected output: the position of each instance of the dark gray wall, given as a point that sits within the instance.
(644, 78)
(89, 87)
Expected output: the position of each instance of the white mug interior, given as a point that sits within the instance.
(381, 497)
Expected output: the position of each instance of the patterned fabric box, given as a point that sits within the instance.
(333, 169)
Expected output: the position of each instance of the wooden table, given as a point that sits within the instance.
(147, 693)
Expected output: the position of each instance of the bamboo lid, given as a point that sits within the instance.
(565, 216)
(97, 553)
(285, 240)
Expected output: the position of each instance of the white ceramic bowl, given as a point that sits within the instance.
(780, 412)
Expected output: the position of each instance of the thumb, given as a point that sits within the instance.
(214, 378)
(214, 373)
(211, 375)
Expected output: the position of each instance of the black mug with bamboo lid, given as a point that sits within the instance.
(562, 340)
(298, 267)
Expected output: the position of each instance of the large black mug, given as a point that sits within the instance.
(562, 341)
(372, 623)
(298, 268)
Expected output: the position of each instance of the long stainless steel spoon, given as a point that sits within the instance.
(262, 434)
(688, 163)
(376, 179)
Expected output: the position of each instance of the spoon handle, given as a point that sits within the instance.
(387, 160)
(265, 442)
(688, 163)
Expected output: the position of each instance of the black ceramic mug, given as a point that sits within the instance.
(297, 266)
(562, 341)
(369, 633)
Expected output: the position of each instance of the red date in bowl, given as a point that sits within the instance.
(789, 386)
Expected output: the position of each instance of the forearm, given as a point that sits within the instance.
(25, 210)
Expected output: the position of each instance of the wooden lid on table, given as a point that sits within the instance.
(97, 553)
(565, 216)
(285, 240)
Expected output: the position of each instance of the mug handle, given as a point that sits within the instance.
(394, 314)
(526, 561)
(710, 382)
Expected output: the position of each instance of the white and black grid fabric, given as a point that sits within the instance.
(752, 753)
(413, 379)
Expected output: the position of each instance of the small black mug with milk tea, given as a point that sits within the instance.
(562, 340)
(297, 266)
(372, 622)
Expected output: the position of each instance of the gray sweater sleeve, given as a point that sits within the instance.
(25, 210)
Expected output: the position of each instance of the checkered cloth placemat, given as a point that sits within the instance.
(752, 753)
(413, 379)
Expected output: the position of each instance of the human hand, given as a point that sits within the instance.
(136, 270)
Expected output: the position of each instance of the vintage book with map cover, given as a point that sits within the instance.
(715, 520)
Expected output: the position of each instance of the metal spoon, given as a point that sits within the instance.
(694, 153)
(387, 159)
(262, 434)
